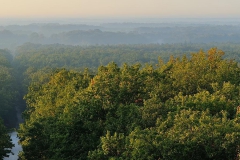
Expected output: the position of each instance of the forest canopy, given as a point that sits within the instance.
(184, 108)
(121, 90)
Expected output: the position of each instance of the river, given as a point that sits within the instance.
(16, 149)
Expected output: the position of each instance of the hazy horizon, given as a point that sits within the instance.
(103, 20)
(120, 9)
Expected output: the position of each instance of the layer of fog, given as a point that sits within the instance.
(15, 32)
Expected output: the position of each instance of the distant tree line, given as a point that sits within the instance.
(32, 60)
(112, 34)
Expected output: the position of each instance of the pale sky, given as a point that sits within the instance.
(119, 8)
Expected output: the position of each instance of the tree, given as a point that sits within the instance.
(48, 118)
(5, 141)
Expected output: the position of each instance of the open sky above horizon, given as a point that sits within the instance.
(123, 8)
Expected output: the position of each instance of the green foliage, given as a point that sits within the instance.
(202, 101)
(5, 141)
(8, 90)
(113, 146)
(201, 70)
(198, 135)
(48, 119)
(185, 135)
(124, 119)
(182, 109)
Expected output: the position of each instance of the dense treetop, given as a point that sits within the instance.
(185, 108)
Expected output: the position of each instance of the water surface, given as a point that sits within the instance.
(15, 149)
